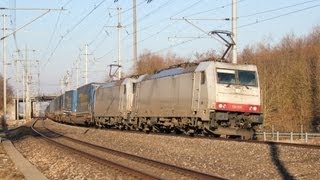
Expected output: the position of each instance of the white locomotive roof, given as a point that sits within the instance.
(249, 67)
(203, 66)
(171, 72)
(197, 68)
(168, 72)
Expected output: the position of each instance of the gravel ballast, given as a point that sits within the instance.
(229, 159)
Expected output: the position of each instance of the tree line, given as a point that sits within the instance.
(290, 80)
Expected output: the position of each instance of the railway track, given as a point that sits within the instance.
(136, 166)
(307, 146)
(288, 144)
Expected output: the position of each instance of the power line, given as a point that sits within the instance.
(98, 45)
(147, 27)
(213, 9)
(53, 33)
(164, 19)
(192, 5)
(166, 48)
(67, 3)
(98, 34)
(55, 27)
(278, 16)
(25, 25)
(277, 9)
(178, 44)
(72, 29)
(155, 34)
(127, 10)
(153, 11)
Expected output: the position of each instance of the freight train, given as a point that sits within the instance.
(207, 98)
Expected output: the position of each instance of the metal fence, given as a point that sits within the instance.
(288, 136)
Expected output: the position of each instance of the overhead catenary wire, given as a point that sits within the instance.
(55, 27)
(72, 29)
(52, 34)
(192, 5)
(99, 32)
(25, 25)
(166, 18)
(278, 16)
(147, 27)
(166, 48)
(152, 12)
(277, 9)
(175, 14)
(127, 10)
(157, 23)
(213, 9)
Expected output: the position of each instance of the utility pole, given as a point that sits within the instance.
(17, 89)
(4, 50)
(119, 42)
(27, 81)
(135, 47)
(86, 66)
(4, 74)
(61, 85)
(135, 38)
(27, 84)
(86, 63)
(77, 73)
(119, 27)
(66, 81)
(38, 64)
(234, 31)
(23, 91)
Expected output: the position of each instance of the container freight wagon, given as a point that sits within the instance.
(54, 110)
(69, 106)
(85, 104)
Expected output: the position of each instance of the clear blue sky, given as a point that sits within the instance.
(59, 36)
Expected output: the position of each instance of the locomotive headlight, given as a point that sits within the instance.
(222, 106)
(253, 108)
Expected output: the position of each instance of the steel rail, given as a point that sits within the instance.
(300, 145)
(157, 164)
(111, 164)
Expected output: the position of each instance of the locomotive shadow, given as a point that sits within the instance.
(274, 152)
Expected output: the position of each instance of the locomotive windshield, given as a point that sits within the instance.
(226, 76)
(239, 77)
(247, 78)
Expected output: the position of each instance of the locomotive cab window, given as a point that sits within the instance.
(124, 89)
(247, 78)
(226, 76)
(238, 77)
